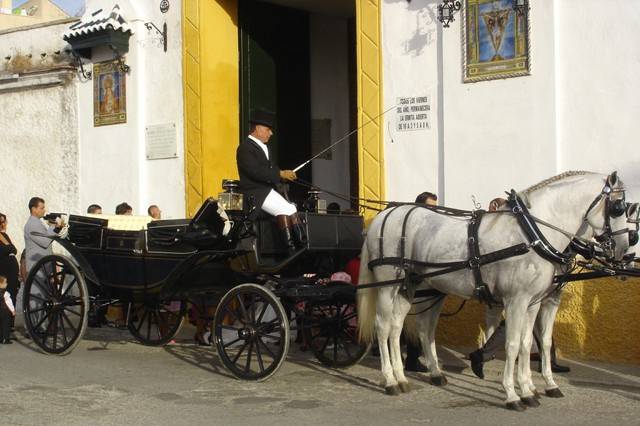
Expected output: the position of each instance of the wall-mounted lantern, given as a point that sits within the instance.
(446, 10)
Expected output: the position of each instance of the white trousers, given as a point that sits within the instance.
(276, 205)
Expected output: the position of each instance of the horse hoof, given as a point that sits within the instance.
(536, 394)
(404, 387)
(530, 401)
(439, 380)
(392, 390)
(554, 393)
(516, 406)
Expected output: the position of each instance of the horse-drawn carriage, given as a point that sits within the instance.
(153, 270)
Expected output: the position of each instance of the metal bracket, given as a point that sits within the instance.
(77, 61)
(121, 64)
(163, 33)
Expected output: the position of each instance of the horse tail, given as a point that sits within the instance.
(366, 299)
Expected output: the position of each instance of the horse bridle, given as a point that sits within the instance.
(612, 209)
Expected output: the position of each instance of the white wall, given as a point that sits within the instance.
(410, 68)
(577, 110)
(494, 135)
(499, 134)
(38, 128)
(597, 97)
(330, 100)
(114, 167)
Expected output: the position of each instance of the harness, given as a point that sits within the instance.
(474, 262)
(529, 225)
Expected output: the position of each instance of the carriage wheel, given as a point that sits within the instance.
(56, 304)
(330, 330)
(155, 323)
(251, 332)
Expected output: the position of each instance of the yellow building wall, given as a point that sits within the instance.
(598, 320)
(211, 93)
(370, 143)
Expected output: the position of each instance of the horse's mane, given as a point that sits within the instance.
(555, 178)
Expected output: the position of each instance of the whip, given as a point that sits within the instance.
(342, 139)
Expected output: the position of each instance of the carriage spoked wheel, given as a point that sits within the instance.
(56, 304)
(155, 323)
(330, 328)
(251, 332)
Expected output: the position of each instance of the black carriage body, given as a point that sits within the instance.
(248, 273)
(174, 259)
(170, 260)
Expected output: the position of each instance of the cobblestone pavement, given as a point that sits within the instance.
(110, 379)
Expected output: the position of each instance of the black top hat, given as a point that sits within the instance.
(263, 117)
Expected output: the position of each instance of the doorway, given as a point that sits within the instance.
(298, 59)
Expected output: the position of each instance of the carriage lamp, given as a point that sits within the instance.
(313, 203)
(521, 7)
(446, 10)
(230, 200)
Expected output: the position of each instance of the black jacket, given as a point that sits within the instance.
(9, 265)
(258, 175)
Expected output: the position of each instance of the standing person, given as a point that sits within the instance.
(155, 212)
(37, 247)
(259, 177)
(9, 267)
(413, 349)
(7, 312)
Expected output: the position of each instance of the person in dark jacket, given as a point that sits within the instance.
(7, 312)
(259, 177)
(9, 267)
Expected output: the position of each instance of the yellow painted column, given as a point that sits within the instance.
(211, 93)
(370, 142)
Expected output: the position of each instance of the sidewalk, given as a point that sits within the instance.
(109, 379)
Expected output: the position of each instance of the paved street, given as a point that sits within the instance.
(110, 379)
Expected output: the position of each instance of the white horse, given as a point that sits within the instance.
(576, 202)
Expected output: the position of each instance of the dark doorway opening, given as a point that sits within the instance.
(300, 63)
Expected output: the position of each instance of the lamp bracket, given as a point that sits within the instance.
(121, 63)
(77, 61)
(151, 26)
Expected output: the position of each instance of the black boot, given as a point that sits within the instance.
(284, 224)
(297, 231)
(413, 358)
(477, 362)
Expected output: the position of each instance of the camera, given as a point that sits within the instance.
(52, 217)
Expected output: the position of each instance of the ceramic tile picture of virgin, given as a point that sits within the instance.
(109, 94)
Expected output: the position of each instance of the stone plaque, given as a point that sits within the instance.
(161, 141)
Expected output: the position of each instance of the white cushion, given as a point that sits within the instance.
(122, 222)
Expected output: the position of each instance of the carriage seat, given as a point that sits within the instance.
(124, 222)
(208, 225)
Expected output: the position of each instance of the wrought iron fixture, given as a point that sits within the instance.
(446, 10)
(163, 33)
(121, 64)
(77, 61)
(521, 7)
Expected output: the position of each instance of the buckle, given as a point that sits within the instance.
(474, 262)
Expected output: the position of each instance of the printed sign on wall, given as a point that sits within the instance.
(412, 113)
